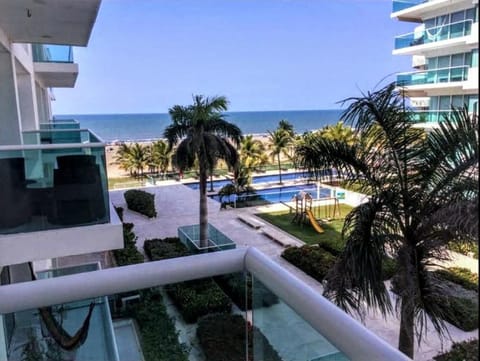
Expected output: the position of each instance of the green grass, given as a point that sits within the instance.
(305, 232)
(125, 182)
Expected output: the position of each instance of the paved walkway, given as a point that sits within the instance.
(178, 205)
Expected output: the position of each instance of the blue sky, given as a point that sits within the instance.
(145, 56)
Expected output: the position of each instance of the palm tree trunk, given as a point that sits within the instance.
(211, 182)
(279, 168)
(406, 338)
(203, 209)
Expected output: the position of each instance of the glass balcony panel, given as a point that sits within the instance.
(59, 136)
(430, 116)
(45, 53)
(49, 187)
(217, 241)
(63, 124)
(454, 74)
(399, 5)
(286, 332)
(434, 34)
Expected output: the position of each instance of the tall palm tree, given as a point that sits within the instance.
(161, 155)
(413, 179)
(203, 134)
(280, 141)
(338, 132)
(138, 158)
(252, 153)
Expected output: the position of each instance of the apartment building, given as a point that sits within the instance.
(443, 45)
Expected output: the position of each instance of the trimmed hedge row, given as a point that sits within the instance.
(170, 247)
(223, 337)
(461, 276)
(159, 338)
(198, 298)
(460, 312)
(141, 202)
(461, 351)
(235, 286)
(313, 260)
(129, 254)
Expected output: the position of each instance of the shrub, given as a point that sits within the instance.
(198, 298)
(141, 202)
(170, 247)
(460, 312)
(313, 260)
(119, 211)
(464, 248)
(461, 276)
(234, 287)
(129, 254)
(461, 351)
(159, 337)
(223, 337)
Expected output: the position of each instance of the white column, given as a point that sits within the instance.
(27, 101)
(9, 110)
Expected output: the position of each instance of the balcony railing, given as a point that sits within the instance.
(430, 116)
(431, 35)
(399, 5)
(286, 315)
(55, 185)
(45, 53)
(60, 124)
(434, 76)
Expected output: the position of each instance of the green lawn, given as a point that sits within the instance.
(305, 232)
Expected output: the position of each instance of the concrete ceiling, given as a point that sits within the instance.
(49, 21)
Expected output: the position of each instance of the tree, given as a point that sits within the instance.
(413, 179)
(338, 132)
(280, 141)
(286, 126)
(203, 134)
(252, 153)
(161, 155)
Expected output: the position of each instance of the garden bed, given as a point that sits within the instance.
(461, 351)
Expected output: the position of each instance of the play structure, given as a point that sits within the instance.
(326, 209)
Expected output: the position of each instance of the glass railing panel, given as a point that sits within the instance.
(430, 116)
(217, 241)
(399, 5)
(46, 53)
(59, 125)
(59, 136)
(285, 332)
(454, 74)
(439, 33)
(46, 187)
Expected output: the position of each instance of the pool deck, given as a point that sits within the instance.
(178, 205)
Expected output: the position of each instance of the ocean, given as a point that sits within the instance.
(146, 127)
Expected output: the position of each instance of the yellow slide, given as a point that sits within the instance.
(314, 222)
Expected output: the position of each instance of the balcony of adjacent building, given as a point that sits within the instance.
(52, 21)
(459, 36)
(257, 310)
(54, 66)
(60, 124)
(450, 80)
(417, 10)
(54, 194)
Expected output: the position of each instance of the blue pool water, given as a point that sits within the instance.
(278, 194)
(256, 180)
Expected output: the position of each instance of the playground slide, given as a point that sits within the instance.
(314, 222)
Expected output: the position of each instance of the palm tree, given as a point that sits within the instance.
(280, 141)
(161, 155)
(138, 158)
(286, 126)
(252, 153)
(122, 157)
(338, 132)
(202, 133)
(413, 179)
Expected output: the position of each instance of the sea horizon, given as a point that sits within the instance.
(142, 127)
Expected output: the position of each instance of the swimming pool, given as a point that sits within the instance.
(277, 194)
(261, 179)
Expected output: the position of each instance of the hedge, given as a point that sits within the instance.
(197, 298)
(313, 260)
(129, 254)
(141, 202)
(159, 338)
(460, 312)
(461, 276)
(157, 249)
(461, 351)
(234, 287)
(223, 337)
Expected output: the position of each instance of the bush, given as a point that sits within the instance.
(159, 338)
(119, 211)
(461, 351)
(234, 287)
(313, 260)
(464, 248)
(129, 254)
(460, 312)
(460, 276)
(223, 337)
(198, 298)
(141, 202)
(170, 247)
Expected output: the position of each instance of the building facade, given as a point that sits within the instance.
(443, 45)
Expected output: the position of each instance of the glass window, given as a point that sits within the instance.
(444, 102)
(434, 103)
(457, 59)
(443, 61)
(470, 14)
(458, 16)
(457, 101)
(432, 63)
(429, 23)
(474, 58)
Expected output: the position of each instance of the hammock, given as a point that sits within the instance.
(56, 330)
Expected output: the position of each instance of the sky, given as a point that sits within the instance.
(144, 56)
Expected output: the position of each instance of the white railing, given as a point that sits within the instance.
(345, 333)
